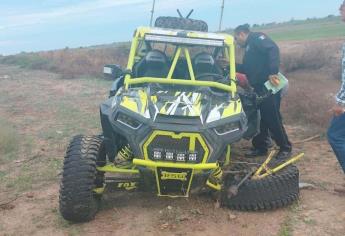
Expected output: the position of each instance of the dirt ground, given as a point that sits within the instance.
(43, 111)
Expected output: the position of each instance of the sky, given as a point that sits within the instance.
(36, 25)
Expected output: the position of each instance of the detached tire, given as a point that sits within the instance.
(78, 202)
(274, 191)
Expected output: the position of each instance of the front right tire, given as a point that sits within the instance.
(78, 202)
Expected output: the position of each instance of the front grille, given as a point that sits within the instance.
(183, 148)
(173, 181)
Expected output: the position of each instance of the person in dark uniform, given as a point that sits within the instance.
(261, 63)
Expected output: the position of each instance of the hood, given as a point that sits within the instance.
(206, 105)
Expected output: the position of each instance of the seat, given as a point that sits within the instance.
(204, 63)
(154, 64)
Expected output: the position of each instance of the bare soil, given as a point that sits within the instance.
(45, 111)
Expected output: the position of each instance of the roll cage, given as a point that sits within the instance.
(183, 43)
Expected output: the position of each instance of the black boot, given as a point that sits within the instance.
(283, 155)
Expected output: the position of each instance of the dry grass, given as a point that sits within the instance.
(310, 97)
(314, 71)
(309, 57)
(312, 56)
(72, 63)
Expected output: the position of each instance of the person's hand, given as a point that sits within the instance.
(242, 80)
(274, 80)
(338, 110)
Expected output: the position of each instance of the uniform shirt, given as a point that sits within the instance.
(261, 59)
(340, 98)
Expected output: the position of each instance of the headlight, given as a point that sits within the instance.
(159, 154)
(227, 128)
(183, 40)
(192, 156)
(114, 102)
(128, 121)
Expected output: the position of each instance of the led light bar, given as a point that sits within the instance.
(192, 157)
(169, 155)
(157, 154)
(181, 157)
(183, 40)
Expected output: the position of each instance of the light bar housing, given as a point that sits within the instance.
(184, 40)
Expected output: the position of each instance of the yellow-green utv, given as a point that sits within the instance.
(167, 128)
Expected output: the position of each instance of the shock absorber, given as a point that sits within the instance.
(124, 157)
(214, 181)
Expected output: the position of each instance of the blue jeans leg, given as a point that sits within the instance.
(336, 138)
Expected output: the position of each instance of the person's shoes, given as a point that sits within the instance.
(268, 146)
(255, 153)
(283, 155)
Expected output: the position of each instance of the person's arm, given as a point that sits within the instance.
(267, 46)
(339, 107)
(340, 98)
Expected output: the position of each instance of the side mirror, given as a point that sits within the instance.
(113, 71)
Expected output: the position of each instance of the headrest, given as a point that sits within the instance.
(155, 56)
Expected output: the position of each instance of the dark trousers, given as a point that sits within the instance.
(271, 123)
(336, 137)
